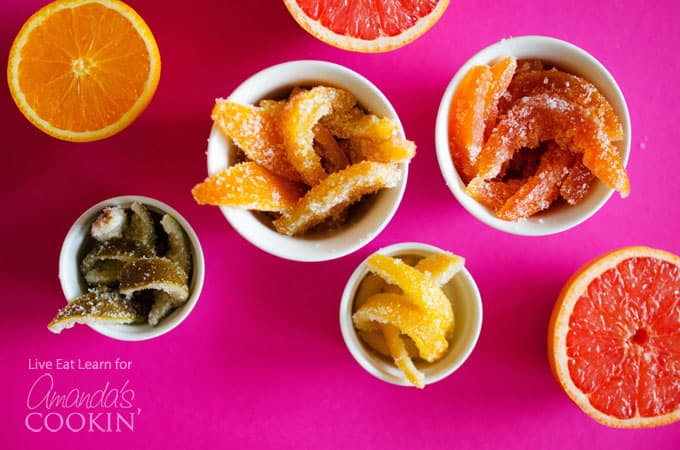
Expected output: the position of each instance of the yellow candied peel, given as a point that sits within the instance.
(298, 118)
(251, 186)
(397, 298)
(337, 191)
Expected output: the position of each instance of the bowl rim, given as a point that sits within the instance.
(536, 225)
(304, 248)
(433, 372)
(71, 288)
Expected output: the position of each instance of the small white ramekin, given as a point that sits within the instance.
(374, 214)
(464, 295)
(567, 57)
(73, 284)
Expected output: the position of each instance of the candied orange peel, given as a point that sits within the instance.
(402, 312)
(305, 159)
(526, 108)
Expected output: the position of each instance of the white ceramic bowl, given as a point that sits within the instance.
(571, 59)
(372, 217)
(467, 308)
(73, 284)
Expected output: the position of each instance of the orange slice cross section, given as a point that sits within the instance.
(83, 70)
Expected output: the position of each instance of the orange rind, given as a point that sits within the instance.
(466, 120)
(298, 118)
(249, 185)
(333, 157)
(546, 117)
(540, 190)
(527, 106)
(256, 131)
(333, 194)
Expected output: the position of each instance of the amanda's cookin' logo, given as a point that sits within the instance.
(107, 409)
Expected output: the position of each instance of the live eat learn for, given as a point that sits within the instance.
(78, 364)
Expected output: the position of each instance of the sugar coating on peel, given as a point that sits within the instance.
(546, 117)
(298, 118)
(95, 306)
(540, 190)
(418, 288)
(568, 86)
(441, 267)
(577, 183)
(501, 75)
(391, 150)
(397, 310)
(179, 250)
(333, 157)
(257, 133)
(357, 124)
(493, 193)
(337, 191)
(251, 186)
(156, 274)
(466, 120)
(399, 353)
(141, 228)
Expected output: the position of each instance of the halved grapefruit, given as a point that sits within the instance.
(614, 338)
(367, 26)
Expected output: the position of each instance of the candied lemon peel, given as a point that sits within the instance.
(306, 159)
(523, 108)
(401, 311)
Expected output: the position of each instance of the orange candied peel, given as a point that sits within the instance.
(399, 306)
(307, 158)
(334, 193)
(298, 118)
(530, 105)
(256, 132)
(251, 186)
(466, 120)
(548, 117)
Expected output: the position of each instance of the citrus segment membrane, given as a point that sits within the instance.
(83, 70)
(614, 338)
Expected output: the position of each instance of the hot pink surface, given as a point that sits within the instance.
(260, 362)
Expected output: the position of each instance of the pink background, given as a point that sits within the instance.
(260, 362)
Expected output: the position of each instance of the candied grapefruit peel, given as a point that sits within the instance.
(401, 311)
(305, 160)
(522, 136)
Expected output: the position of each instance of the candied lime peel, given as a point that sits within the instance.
(138, 270)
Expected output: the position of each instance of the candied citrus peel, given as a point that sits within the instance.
(337, 191)
(256, 132)
(398, 306)
(306, 159)
(529, 106)
(298, 118)
(251, 186)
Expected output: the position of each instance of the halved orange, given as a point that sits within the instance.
(367, 26)
(614, 338)
(82, 70)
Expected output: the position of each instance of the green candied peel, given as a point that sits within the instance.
(141, 228)
(116, 249)
(160, 274)
(178, 244)
(104, 272)
(96, 306)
